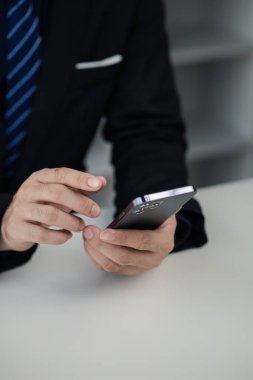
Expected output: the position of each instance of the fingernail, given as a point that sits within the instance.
(95, 210)
(108, 235)
(103, 179)
(93, 182)
(88, 234)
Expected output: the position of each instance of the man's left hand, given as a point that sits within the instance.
(129, 252)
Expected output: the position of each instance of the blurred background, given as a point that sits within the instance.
(212, 54)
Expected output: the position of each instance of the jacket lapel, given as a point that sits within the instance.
(67, 22)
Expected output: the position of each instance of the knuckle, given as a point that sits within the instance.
(144, 242)
(86, 206)
(57, 192)
(60, 174)
(46, 214)
(76, 224)
(124, 258)
(40, 173)
(61, 238)
(80, 179)
(33, 176)
(37, 235)
(90, 207)
(170, 246)
(162, 247)
(110, 267)
(51, 214)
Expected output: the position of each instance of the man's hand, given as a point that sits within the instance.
(45, 199)
(129, 252)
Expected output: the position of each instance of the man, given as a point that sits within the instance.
(56, 84)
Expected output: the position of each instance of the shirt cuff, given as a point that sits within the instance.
(183, 231)
(13, 259)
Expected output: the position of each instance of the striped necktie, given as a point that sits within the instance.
(23, 52)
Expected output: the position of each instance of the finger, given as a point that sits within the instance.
(92, 257)
(51, 216)
(170, 223)
(141, 240)
(109, 266)
(40, 235)
(69, 177)
(99, 260)
(89, 193)
(160, 240)
(103, 179)
(63, 208)
(121, 255)
(66, 197)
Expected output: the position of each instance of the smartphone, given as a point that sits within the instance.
(150, 211)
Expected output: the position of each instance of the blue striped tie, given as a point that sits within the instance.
(23, 61)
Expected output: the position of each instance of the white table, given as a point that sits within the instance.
(192, 318)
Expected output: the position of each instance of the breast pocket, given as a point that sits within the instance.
(97, 72)
(106, 62)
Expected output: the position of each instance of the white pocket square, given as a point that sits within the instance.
(114, 60)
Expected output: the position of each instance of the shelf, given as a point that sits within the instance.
(202, 44)
(207, 141)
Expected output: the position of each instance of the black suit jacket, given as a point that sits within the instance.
(137, 96)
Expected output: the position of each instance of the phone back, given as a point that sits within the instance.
(150, 214)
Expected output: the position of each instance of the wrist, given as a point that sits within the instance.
(3, 245)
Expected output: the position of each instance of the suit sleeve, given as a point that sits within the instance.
(145, 124)
(11, 259)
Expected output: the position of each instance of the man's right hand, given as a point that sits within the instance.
(46, 199)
